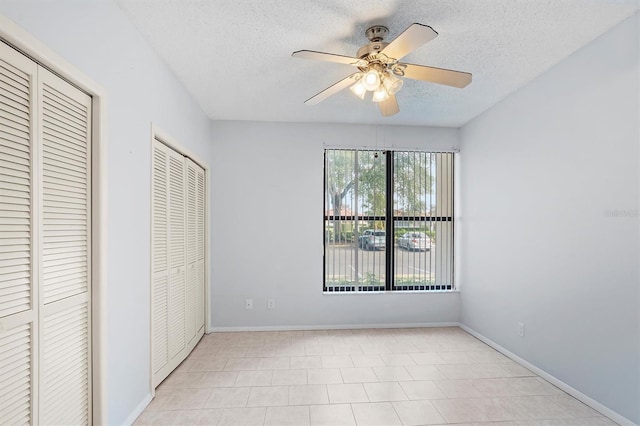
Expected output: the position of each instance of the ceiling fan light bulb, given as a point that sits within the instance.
(380, 94)
(358, 89)
(371, 80)
(392, 83)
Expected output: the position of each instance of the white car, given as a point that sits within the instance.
(415, 241)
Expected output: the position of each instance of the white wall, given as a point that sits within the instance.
(550, 229)
(267, 229)
(97, 39)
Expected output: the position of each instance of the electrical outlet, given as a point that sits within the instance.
(271, 304)
(521, 329)
(248, 304)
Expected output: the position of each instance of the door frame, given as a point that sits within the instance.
(21, 40)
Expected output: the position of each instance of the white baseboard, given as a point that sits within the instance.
(214, 329)
(606, 411)
(138, 410)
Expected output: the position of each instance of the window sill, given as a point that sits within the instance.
(360, 293)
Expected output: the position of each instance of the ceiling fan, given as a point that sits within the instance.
(379, 67)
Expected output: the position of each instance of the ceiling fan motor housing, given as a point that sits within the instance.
(371, 49)
(375, 34)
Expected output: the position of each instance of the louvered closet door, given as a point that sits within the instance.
(195, 250)
(45, 374)
(65, 352)
(169, 278)
(160, 260)
(177, 253)
(200, 249)
(18, 273)
(192, 273)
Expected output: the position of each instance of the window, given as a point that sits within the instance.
(388, 221)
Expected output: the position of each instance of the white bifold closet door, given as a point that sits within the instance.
(178, 217)
(45, 240)
(194, 321)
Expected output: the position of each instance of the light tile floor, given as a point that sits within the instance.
(418, 376)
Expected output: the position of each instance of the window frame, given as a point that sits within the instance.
(389, 220)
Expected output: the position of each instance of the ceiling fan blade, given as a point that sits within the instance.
(389, 107)
(329, 57)
(410, 39)
(332, 90)
(434, 75)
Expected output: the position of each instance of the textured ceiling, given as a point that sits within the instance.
(234, 56)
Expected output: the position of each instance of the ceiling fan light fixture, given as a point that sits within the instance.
(392, 83)
(358, 89)
(371, 80)
(380, 94)
(379, 67)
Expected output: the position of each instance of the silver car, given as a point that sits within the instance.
(415, 241)
(372, 240)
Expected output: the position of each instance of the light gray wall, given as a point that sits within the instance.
(550, 229)
(267, 227)
(96, 38)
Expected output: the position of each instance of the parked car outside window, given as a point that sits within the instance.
(372, 240)
(418, 241)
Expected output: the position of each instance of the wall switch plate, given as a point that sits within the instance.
(248, 304)
(521, 329)
(271, 304)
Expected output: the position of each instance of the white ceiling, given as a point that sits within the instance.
(234, 56)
